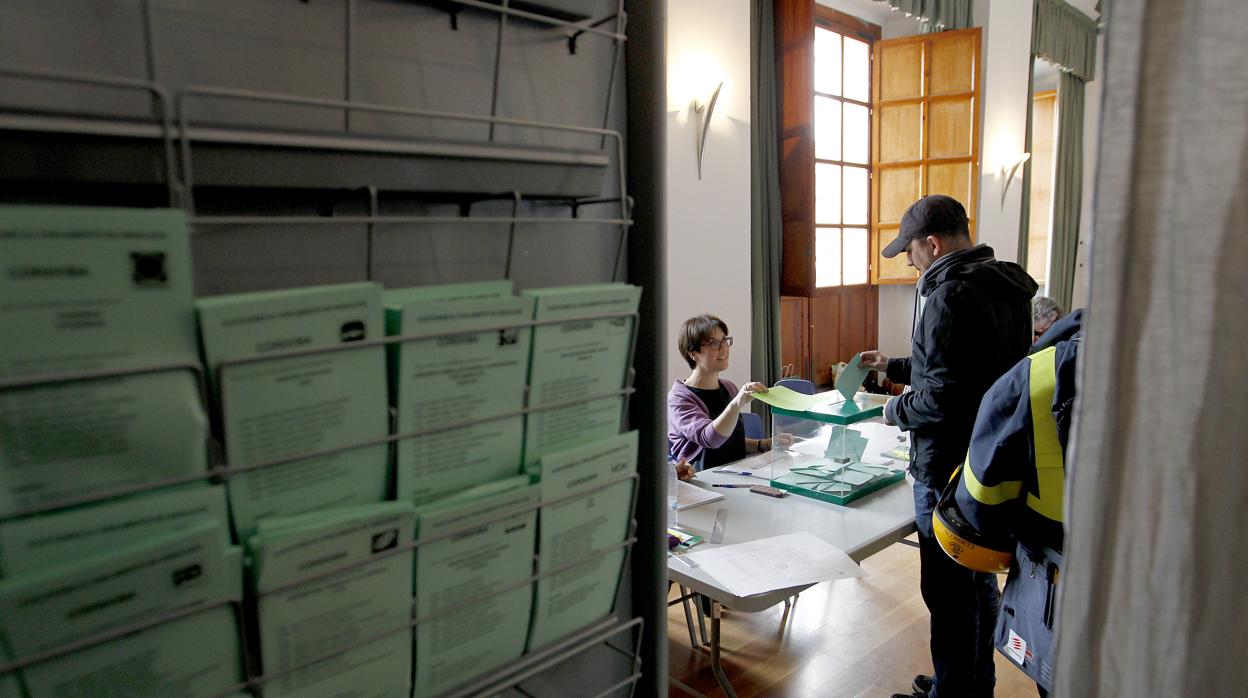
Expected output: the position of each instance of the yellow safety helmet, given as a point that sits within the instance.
(961, 541)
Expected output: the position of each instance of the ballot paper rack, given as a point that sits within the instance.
(530, 666)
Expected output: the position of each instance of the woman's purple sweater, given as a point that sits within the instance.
(689, 427)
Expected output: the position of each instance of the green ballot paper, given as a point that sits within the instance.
(289, 406)
(455, 646)
(128, 584)
(443, 382)
(591, 527)
(48, 540)
(86, 290)
(575, 360)
(298, 623)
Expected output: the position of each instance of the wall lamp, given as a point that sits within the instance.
(704, 112)
(1008, 170)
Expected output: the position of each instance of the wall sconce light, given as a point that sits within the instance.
(1008, 170)
(704, 112)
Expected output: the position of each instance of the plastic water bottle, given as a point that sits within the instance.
(672, 485)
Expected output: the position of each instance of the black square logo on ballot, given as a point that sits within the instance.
(185, 575)
(352, 331)
(147, 270)
(507, 338)
(386, 540)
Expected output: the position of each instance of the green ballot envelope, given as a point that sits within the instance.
(443, 382)
(577, 529)
(457, 646)
(298, 623)
(288, 406)
(29, 545)
(87, 290)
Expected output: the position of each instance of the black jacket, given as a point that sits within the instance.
(975, 325)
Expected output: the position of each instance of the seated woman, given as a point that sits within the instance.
(703, 410)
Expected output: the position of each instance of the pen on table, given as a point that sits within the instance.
(735, 472)
(718, 484)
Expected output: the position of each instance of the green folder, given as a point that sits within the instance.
(285, 407)
(373, 596)
(576, 529)
(445, 381)
(28, 545)
(89, 290)
(460, 645)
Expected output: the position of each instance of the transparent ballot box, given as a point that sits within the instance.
(837, 450)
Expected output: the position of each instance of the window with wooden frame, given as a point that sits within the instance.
(926, 121)
(842, 133)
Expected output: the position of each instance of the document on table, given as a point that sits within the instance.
(443, 382)
(689, 496)
(285, 407)
(775, 563)
(483, 558)
(87, 290)
(785, 399)
(298, 623)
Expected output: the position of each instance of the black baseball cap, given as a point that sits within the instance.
(935, 213)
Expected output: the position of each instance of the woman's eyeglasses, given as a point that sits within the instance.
(715, 344)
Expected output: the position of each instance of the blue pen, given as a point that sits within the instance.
(730, 485)
(735, 472)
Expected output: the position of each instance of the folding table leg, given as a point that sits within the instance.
(697, 605)
(716, 667)
(684, 601)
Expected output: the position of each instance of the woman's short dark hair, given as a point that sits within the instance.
(695, 332)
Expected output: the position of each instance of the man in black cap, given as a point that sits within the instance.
(975, 324)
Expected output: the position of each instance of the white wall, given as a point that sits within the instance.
(708, 220)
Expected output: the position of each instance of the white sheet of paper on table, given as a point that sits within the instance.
(688, 496)
(775, 563)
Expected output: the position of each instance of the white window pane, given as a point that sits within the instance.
(827, 194)
(856, 199)
(827, 61)
(857, 134)
(827, 257)
(857, 70)
(856, 271)
(827, 128)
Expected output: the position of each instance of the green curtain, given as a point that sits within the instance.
(1067, 188)
(936, 15)
(1064, 36)
(765, 226)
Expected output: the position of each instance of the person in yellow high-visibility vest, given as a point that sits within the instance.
(1008, 498)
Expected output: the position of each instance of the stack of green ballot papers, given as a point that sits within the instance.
(446, 381)
(455, 646)
(371, 597)
(290, 406)
(576, 360)
(87, 290)
(195, 655)
(591, 527)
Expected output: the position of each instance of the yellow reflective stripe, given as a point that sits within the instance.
(997, 494)
(1050, 468)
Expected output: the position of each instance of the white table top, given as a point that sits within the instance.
(861, 528)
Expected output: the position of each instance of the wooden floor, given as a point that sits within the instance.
(859, 638)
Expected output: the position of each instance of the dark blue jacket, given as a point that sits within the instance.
(975, 325)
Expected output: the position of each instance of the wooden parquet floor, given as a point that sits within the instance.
(859, 638)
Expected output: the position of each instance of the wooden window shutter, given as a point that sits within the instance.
(926, 121)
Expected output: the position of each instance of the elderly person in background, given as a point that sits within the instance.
(704, 410)
(1044, 312)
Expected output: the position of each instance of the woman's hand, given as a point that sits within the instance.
(747, 393)
(874, 360)
(685, 471)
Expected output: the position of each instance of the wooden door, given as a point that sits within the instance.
(795, 337)
(841, 325)
(926, 118)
